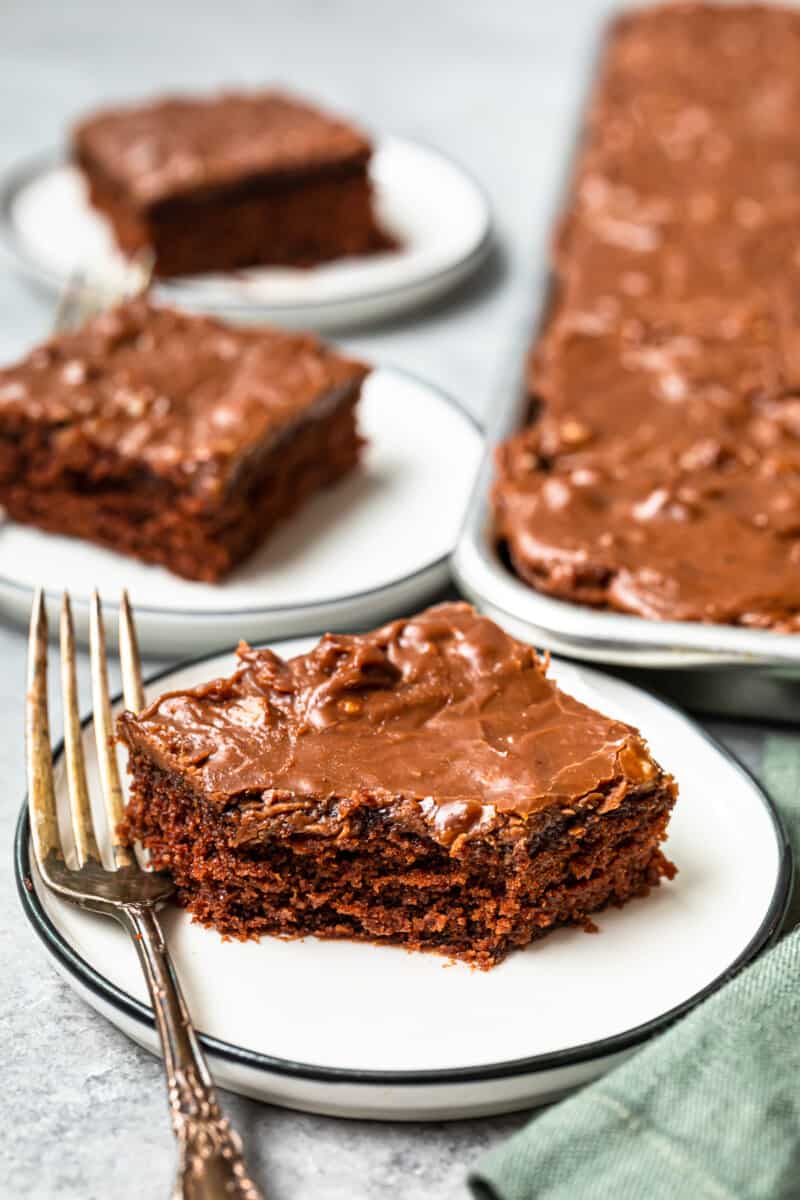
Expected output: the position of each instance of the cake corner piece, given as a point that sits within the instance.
(426, 784)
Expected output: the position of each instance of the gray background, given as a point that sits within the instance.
(498, 87)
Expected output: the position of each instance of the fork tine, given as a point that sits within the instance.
(41, 793)
(80, 809)
(65, 318)
(131, 663)
(89, 301)
(104, 732)
(144, 262)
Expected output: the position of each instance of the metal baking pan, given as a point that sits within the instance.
(713, 668)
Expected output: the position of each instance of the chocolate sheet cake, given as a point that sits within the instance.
(426, 784)
(660, 473)
(174, 438)
(234, 180)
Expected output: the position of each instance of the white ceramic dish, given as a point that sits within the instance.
(576, 630)
(437, 211)
(359, 1030)
(376, 544)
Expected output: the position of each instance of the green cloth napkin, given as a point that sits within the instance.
(709, 1110)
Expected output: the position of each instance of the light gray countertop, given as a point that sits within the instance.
(497, 87)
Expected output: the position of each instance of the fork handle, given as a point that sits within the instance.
(210, 1162)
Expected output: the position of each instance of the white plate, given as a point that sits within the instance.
(375, 544)
(436, 210)
(358, 1030)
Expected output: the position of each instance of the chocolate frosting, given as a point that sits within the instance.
(444, 711)
(187, 398)
(182, 145)
(661, 473)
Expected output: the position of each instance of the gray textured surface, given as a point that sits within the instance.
(497, 86)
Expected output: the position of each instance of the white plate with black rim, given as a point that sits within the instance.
(438, 213)
(374, 545)
(358, 1030)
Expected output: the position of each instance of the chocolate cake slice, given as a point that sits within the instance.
(233, 180)
(426, 784)
(174, 438)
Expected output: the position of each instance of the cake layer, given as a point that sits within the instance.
(309, 222)
(156, 523)
(427, 783)
(376, 879)
(661, 472)
(174, 438)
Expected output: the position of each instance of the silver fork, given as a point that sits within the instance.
(210, 1163)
